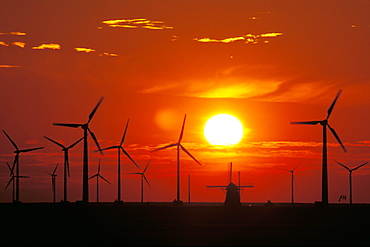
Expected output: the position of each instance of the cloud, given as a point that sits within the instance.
(137, 23)
(8, 66)
(3, 43)
(87, 50)
(51, 46)
(19, 44)
(14, 33)
(247, 38)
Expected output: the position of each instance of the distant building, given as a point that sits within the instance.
(232, 195)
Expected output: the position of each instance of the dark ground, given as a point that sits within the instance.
(108, 224)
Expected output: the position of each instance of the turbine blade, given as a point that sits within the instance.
(182, 129)
(133, 161)
(29, 150)
(333, 104)
(54, 141)
(104, 179)
(11, 179)
(108, 148)
(146, 167)
(360, 166)
(124, 133)
(343, 166)
(283, 169)
(68, 125)
(168, 146)
(55, 169)
(93, 111)
(99, 167)
(139, 173)
(306, 122)
(10, 139)
(10, 169)
(186, 151)
(74, 144)
(95, 140)
(146, 180)
(337, 137)
(24, 176)
(93, 176)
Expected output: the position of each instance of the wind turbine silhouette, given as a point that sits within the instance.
(53, 185)
(12, 176)
(85, 168)
(325, 123)
(16, 165)
(293, 181)
(66, 162)
(97, 175)
(178, 145)
(119, 148)
(350, 178)
(142, 181)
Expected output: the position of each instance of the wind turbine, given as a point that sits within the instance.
(66, 162)
(350, 178)
(142, 181)
(53, 177)
(325, 123)
(85, 168)
(12, 176)
(97, 175)
(178, 145)
(119, 148)
(16, 165)
(293, 181)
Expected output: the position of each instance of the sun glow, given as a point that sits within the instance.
(223, 130)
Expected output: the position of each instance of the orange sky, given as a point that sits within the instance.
(265, 62)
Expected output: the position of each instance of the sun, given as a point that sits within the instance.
(223, 130)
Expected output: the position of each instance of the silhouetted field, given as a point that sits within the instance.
(129, 224)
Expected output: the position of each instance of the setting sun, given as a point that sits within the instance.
(224, 130)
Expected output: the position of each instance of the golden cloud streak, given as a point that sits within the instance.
(3, 43)
(14, 33)
(137, 23)
(47, 46)
(20, 44)
(9, 66)
(108, 54)
(248, 38)
(87, 50)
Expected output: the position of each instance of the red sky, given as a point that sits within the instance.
(265, 62)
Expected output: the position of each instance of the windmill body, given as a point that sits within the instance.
(119, 149)
(85, 168)
(350, 177)
(143, 177)
(325, 125)
(66, 163)
(178, 147)
(232, 190)
(16, 165)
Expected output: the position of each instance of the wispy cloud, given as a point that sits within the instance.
(137, 23)
(87, 50)
(8, 66)
(51, 46)
(247, 38)
(14, 33)
(19, 44)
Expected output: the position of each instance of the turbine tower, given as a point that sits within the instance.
(293, 181)
(53, 177)
(16, 165)
(325, 123)
(12, 176)
(85, 168)
(178, 145)
(119, 148)
(142, 181)
(66, 162)
(97, 175)
(350, 178)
